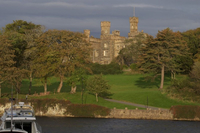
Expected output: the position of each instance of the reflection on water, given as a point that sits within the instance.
(89, 125)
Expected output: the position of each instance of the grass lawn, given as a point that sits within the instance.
(134, 88)
(131, 88)
(77, 99)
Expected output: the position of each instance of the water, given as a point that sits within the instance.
(90, 125)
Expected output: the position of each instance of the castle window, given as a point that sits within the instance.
(96, 53)
(105, 45)
(105, 53)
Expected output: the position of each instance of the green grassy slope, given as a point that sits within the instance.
(134, 88)
(131, 88)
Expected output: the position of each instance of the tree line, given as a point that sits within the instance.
(27, 51)
(169, 52)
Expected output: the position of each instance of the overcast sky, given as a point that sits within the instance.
(77, 15)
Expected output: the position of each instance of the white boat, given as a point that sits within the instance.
(19, 118)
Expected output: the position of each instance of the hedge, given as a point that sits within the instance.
(87, 110)
(185, 111)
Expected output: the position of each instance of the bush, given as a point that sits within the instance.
(44, 104)
(87, 110)
(185, 89)
(3, 101)
(98, 86)
(112, 68)
(185, 111)
(134, 67)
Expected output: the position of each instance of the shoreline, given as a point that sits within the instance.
(58, 110)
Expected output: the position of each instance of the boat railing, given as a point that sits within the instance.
(37, 128)
(21, 105)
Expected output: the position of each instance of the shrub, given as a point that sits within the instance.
(44, 104)
(134, 67)
(112, 68)
(87, 110)
(185, 111)
(184, 89)
(3, 101)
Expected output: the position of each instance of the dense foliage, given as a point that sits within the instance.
(28, 51)
(186, 112)
(130, 53)
(98, 86)
(87, 110)
(187, 88)
(59, 53)
(112, 68)
(6, 60)
(159, 54)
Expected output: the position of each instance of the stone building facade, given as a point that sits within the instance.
(107, 47)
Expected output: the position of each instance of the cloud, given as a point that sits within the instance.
(138, 5)
(77, 15)
(47, 4)
(70, 5)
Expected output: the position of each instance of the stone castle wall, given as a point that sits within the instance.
(114, 42)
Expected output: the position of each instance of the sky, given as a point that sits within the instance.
(77, 15)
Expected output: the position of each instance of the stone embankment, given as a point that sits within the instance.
(153, 114)
(115, 113)
(141, 114)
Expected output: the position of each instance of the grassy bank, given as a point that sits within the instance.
(134, 88)
(131, 88)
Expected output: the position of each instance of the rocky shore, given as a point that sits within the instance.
(153, 114)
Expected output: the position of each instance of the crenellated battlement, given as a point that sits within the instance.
(116, 32)
(105, 23)
(87, 33)
(108, 46)
(105, 28)
(133, 19)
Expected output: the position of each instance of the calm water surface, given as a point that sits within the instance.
(89, 125)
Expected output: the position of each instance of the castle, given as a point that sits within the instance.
(107, 47)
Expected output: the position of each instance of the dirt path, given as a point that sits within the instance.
(134, 104)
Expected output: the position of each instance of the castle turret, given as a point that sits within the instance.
(133, 26)
(116, 32)
(87, 33)
(105, 28)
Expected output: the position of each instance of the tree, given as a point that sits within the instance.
(195, 73)
(60, 52)
(130, 53)
(6, 60)
(192, 37)
(97, 85)
(159, 54)
(77, 76)
(44, 62)
(18, 33)
(31, 36)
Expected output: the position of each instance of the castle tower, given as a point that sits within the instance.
(133, 25)
(105, 28)
(87, 33)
